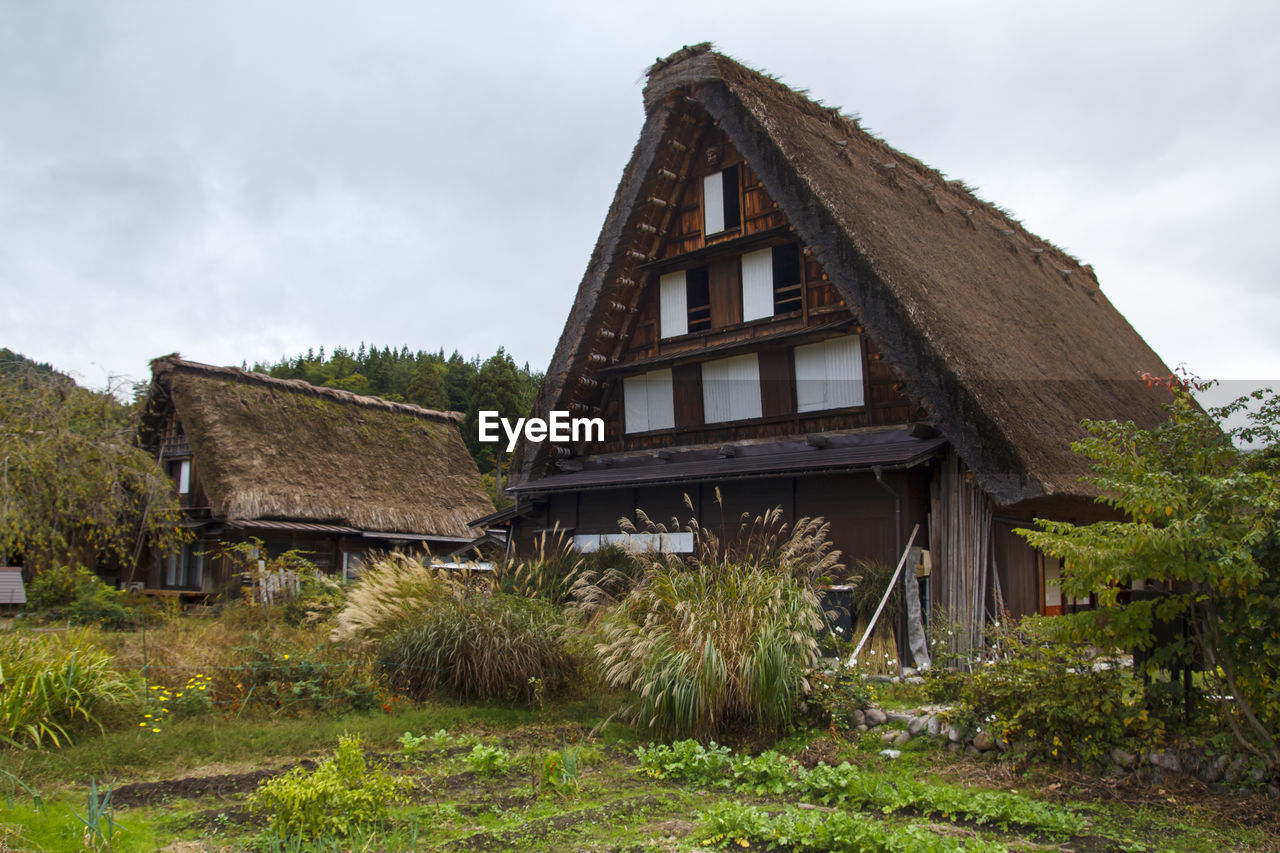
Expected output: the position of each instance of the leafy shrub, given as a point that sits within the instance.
(49, 681)
(489, 760)
(318, 598)
(281, 677)
(1054, 699)
(835, 695)
(56, 587)
(738, 824)
(767, 773)
(560, 771)
(342, 795)
(480, 646)
(392, 591)
(412, 745)
(849, 786)
(684, 759)
(78, 596)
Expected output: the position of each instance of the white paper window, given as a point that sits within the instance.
(757, 284)
(713, 203)
(731, 389)
(680, 542)
(829, 374)
(675, 304)
(184, 477)
(649, 402)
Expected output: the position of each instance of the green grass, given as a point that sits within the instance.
(610, 806)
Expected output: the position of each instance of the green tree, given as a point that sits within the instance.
(1202, 522)
(74, 487)
(501, 387)
(427, 388)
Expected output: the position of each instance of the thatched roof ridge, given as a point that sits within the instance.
(175, 361)
(273, 449)
(1005, 339)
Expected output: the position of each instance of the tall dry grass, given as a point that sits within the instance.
(485, 645)
(722, 638)
(392, 591)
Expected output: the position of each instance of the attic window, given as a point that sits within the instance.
(686, 302)
(721, 209)
(731, 389)
(180, 473)
(787, 288)
(771, 282)
(829, 374)
(649, 401)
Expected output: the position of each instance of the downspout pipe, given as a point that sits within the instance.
(897, 508)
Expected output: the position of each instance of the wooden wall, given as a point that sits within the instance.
(863, 515)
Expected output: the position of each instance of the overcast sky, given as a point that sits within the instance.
(242, 181)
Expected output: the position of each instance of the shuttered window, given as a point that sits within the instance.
(757, 284)
(731, 389)
(648, 401)
(721, 209)
(675, 304)
(829, 374)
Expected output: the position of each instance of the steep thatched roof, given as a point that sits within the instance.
(1006, 340)
(271, 448)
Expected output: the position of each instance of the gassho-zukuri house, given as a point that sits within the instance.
(321, 470)
(784, 310)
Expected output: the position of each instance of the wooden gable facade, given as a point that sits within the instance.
(782, 311)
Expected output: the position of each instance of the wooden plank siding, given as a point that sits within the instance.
(864, 518)
(719, 257)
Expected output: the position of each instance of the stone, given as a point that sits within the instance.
(908, 671)
(859, 718)
(1211, 769)
(861, 728)
(902, 738)
(1258, 774)
(954, 734)
(1273, 791)
(971, 750)
(875, 717)
(1124, 758)
(888, 738)
(900, 717)
(879, 679)
(891, 753)
(934, 726)
(1165, 760)
(917, 725)
(953, 747)
(915, 679)
(984, 741)
(1232, 775)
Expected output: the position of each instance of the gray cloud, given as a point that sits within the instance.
(243, 181)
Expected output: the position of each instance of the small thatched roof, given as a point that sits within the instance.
(1005, 339)
(271, 448)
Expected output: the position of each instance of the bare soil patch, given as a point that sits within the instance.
(192, 787)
